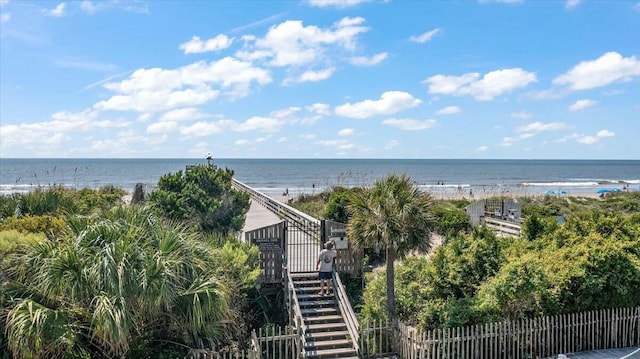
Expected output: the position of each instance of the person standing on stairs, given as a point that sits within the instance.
(325, 267)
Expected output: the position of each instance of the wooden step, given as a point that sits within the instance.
(307, 289)
(328, 343)
(303, 275)
(325, 326)
(319, 311)
(325, 335)
(323, 318)
(306, 282)
(313, 296)
(329, 352)
(318, 303)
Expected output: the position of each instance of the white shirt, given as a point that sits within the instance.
(325, 258)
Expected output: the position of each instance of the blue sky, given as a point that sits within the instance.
(320, 79)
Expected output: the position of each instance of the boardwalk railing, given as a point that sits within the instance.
(510, 228)
(282, 210)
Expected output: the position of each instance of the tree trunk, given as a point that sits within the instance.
(391, 295)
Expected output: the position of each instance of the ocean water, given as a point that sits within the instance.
(274, 176)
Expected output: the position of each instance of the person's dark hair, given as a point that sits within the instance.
(328, 245)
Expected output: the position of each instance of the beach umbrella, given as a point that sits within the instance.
(616, 190)
(561, 191)
(550, 192)
(604, 190)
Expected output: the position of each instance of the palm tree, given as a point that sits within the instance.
(113, 280)
(392, 214)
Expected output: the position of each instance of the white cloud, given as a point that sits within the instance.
(389, 103)
(3, 2)
(308, 136)
(88, 7)
(197, 45)
(161, 100)
(281, 140)
(607, 69)
(481, 149)
(581, 105)
(587, 140)
(338, 144)
(292, 44)
(427, 36)
(488, 87)
(201, 129)
(320, 109)
(286, 112)
(157, 89)
(449, 110)
(5, 17)
(605, 133)
(368, 61)
(508, 141)
(336, 3)
(58, 130)
(163, 127)
(58, 11)
(182, 114)
(409, 124)
(570, 4)
(346, 132)
(521, 115)
(227, 73)
(241, 142)
(314, 76)
(391, 144)
(257, 123)
(542, 127)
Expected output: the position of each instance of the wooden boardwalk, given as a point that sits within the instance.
(258, 217)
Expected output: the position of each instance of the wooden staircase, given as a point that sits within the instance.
(326, 335)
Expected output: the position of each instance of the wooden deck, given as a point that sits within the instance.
(258, 217)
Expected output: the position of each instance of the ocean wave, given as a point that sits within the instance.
(560, 184)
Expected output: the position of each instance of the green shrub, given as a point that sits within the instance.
(46, 224)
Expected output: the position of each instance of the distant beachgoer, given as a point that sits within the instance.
(471, 192)
(324, 265)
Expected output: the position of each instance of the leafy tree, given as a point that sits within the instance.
(202, 195)
(394, 215)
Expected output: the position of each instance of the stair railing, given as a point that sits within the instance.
(295, 314)
(348, 314)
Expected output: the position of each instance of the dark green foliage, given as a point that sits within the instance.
(118, 281)
(535, 225)
(339, 199)
(450, 220)
(202, 195)
(592, 261)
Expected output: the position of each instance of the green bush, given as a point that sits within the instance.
(47, 224)
(451, 220)
(202, 195)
